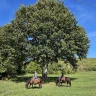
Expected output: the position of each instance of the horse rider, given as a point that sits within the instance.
(35, 75)
(62, 76)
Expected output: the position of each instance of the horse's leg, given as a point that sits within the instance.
(61, 83)
(70, 83)
(67, 83)
(32, 85)
(57, 84)
(29, 85)
(58, 81)
(40, 85)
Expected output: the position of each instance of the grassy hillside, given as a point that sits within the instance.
(88, 64)
(83, 84)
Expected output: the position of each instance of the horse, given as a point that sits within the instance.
(33, 81)
(63, 80)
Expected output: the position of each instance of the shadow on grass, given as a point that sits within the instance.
(22, 78)
(19, 79)
(34, 87)
(53, 79)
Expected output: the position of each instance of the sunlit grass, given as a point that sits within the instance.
(83, 84)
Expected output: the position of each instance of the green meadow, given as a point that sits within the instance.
(83, 84)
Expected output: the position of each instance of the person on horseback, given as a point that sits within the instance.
(35, 75)
(62, 76)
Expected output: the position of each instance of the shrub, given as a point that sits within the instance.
(57, 68)
(53, 68)
(31, 67)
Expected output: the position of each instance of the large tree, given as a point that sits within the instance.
(54, 31)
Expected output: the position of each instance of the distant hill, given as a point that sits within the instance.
(88, 64)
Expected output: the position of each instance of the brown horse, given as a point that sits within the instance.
(63, 80)
(34, 82)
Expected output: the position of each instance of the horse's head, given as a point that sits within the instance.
(57, 81)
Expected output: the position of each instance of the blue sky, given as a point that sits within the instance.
(85, 15)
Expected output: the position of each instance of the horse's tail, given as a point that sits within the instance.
(69, 81)
(27, 83)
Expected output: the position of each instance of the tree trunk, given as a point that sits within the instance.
(44, 72)
(19, 71)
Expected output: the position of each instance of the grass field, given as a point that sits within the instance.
(83, 84)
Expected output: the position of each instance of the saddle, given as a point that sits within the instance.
(62, 79)
(35, 80)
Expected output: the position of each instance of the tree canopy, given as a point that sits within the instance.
(54, 31)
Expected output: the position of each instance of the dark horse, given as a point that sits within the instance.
(63, 80)
(34, 82)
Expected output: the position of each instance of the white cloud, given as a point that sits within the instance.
(81, 13)
(92, 34)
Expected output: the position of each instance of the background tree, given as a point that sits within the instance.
(6, 51)
(20, 45)
(12, 49)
